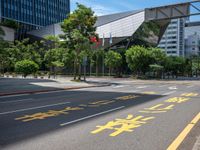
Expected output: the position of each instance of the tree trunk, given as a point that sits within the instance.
(79, 71)
(97, 69)
(75, 68)
(90, 68)
(54, 72)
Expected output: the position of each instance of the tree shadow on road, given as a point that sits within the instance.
(15, 85)
(14, 130)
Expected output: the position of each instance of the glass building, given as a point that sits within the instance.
(33, 14)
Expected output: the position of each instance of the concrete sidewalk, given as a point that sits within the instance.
(14, 86)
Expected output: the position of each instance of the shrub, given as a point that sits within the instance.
(26, 67)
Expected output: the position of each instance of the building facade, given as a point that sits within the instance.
(33, 14)
(192, 39)
(116, 31)
(192, 46)
(173, 41)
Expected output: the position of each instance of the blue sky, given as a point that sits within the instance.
(102, 7)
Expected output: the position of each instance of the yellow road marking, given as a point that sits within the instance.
(184, 133)
(122, 125)
(190, 94)
(157, 109)
(149, 92)
(128, 97)
(177, 100)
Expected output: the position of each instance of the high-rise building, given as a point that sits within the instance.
(192, 39)
(172, 41)
(33, 14)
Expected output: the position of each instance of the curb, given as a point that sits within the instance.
(50, 90)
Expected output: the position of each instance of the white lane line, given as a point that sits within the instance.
(169, 93)
(118, 86)
(190, 86)
(141, 87)
(13, 95)
(91, 116)
(13, 101)
(172, 88)
(20, 110)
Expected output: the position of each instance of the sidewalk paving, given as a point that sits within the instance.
(14, 86)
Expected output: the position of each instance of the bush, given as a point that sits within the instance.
(139, 58)
(26, 67)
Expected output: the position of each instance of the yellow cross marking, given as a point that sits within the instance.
(128, 97)
(122, 125)
(50, 113)
(177, 100)
(150, 92)
(97, 103)
(189, 94)
(157, 109)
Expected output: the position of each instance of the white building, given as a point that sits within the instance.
(172, 41)
(192, 45)
(192, 39)
(119, 26)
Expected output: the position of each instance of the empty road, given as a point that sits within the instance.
(127, 115)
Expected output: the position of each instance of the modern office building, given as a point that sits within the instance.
(181, 38)
(34, 14)
(192, 39)
(116, 30)
(125, 29)
(173, 42)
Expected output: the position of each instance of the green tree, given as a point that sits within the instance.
(139, 58)
(98, 55)
(21, 50)
(175, 65)
(195, 64)
(113, 60)
(78, 28)
(4, 55)
(157, 69)
(3, 52)
(158, 55)
(10, 24)
(2, 33)
(158, 61)
(55, 58)
(26, 67)
(51, 41)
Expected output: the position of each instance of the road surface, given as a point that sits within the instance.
(143, 115)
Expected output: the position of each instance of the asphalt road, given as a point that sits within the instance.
(127, 115)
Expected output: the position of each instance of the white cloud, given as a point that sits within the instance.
(99, 9)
